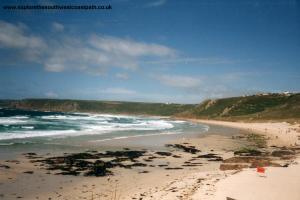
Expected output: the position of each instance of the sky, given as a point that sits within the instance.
(174, 51)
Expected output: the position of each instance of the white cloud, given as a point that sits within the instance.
(123, 76)
(118, 91)
(54, 67)
(94, 54)
(203, 86)
(51, 94)
(183, 60)
(98, 53)
(179, 81)
(16, 37)
(126, 47)
(57, 27)
(157, 3)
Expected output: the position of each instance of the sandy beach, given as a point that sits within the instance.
(279, 133)
(276, 183)
(178, 175)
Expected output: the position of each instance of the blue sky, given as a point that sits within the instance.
(151, 50)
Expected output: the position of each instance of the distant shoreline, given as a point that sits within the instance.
(254, 108)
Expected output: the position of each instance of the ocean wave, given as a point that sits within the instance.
(72, 124)
(86, 130)
(31, 134)
(54, 117)
(179, 121)
(137, 125)
(205, 127)
(11, 120)
(6, 143)
(28, 127)
(86, 116)
(20, 117)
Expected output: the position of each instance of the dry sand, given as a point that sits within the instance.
(276, 183)
(280, 133)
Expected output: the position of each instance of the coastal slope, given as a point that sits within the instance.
(259, 107)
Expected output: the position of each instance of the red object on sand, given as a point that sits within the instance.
(260, 170)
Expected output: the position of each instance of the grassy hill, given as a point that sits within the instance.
(255, 107)
(99, 106)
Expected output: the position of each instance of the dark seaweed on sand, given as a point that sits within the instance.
(90, 164)
(188, 149)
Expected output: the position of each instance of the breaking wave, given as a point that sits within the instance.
(18, 124)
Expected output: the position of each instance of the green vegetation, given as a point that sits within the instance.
(253, 108)
(101, 106)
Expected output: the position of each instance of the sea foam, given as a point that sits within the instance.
(60, 125)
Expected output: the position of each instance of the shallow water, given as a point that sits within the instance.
(21, 129)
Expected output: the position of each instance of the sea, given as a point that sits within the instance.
(27, 130)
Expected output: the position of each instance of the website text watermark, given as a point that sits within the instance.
(57, 7)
